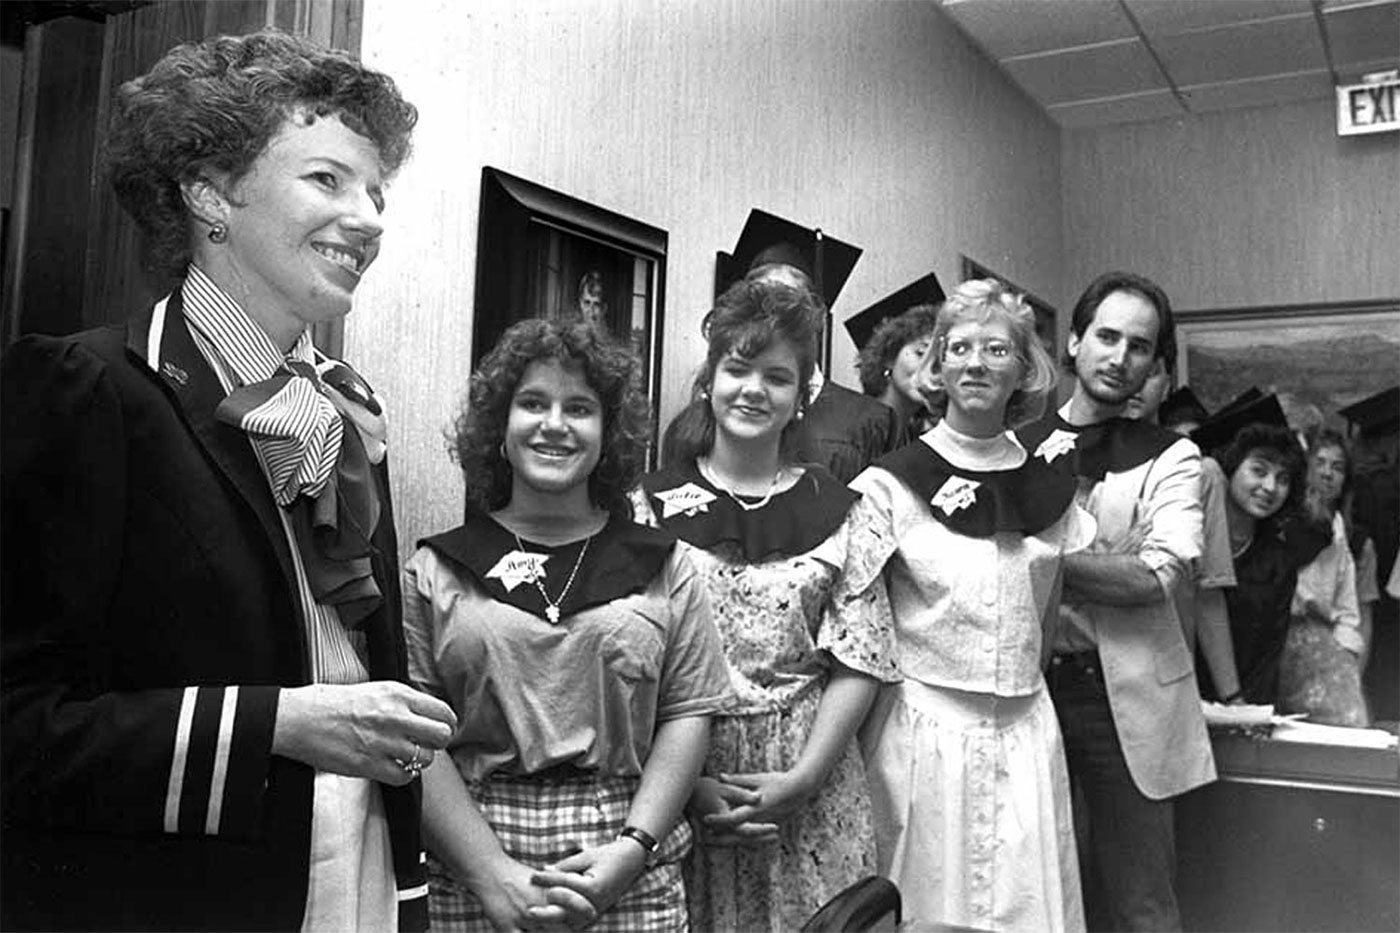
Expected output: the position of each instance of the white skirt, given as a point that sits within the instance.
(972, 808)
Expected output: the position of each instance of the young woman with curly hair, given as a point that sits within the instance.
(576, 647)
(210, 730)
(782, 807)
(1272, 536)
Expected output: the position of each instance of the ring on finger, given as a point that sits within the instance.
(415, 764)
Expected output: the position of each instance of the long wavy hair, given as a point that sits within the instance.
(216, 104)
(611, 370)
(982, 300)
(746, 320)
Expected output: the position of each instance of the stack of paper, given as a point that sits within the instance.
(1317, 734)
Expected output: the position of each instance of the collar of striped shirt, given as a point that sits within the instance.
(242, 345)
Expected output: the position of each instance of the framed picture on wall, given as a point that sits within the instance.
(542, 253)
(1323, 355)
(1045, 314)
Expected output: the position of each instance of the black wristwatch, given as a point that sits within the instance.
(640, 836)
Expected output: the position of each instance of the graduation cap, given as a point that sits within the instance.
(1252, 394)
(924, 291)
(1375, 414)
(768, 238)
(1220, 429)
(1181, 405)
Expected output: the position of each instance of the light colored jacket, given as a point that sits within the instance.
(1147, 666)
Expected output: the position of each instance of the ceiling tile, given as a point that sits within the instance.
(1015, 27)
(1248, 50)
(1111, 70)
(1257, 92)
(1134, 108)
(1363, 34)
(1171, 17)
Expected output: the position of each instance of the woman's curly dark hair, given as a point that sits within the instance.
(610, 370)
(892, 336)
(746, 320)
(216, 104)
(1276, 444)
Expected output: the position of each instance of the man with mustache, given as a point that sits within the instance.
(1120, 672)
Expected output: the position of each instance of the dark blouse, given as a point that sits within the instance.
(1266, 575)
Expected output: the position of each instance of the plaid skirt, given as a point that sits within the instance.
(542, 819)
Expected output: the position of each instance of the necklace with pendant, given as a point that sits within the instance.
(551, 606)
(708, 472)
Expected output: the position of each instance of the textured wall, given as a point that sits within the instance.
(1240, 208)
(875, 120)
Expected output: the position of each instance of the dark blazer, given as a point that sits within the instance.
(847, 431)
(150, 618)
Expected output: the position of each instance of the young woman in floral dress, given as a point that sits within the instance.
(782, 803)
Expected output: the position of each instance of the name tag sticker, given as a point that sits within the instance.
(686, 500)
(1059, 442)
(955, 494)
(518, 567)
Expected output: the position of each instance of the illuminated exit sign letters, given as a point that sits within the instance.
(1370, 107)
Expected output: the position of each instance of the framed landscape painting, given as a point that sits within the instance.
(1321, 357)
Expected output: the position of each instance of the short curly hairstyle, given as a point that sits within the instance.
(1276, 444)
(216, 104)
(610, 369)
(746, 320)
(889, 339)
(980, 300)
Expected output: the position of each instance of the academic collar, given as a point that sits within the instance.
(793, 522)
(622, 559)
(981, 503)
(1114, 445)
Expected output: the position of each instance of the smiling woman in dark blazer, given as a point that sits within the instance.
(203, 721)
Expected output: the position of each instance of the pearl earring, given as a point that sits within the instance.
(218, 233)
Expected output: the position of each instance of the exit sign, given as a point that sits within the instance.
(1369, 107)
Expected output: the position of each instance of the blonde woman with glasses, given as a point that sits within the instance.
(965, 760)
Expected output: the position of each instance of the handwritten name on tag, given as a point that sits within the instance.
(956, 493)
(518, 567)
(686, 500)
(1059, 442)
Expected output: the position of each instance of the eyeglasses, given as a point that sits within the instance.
(994, 353)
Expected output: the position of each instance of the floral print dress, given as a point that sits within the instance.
(770, 574)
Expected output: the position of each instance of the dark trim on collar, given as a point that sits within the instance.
(978, 503)
(793, 522)
(623, 558)
(1116, 445)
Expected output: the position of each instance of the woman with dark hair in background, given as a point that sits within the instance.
(1271, 537)
(204, 726)
(965, 758)
(576, 646)
(890, 363)
(783, 808)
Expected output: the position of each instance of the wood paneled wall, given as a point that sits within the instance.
(1240, 208)
(876, 121)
